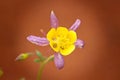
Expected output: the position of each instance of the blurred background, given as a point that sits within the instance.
(100, 29)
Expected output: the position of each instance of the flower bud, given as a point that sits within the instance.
(23, 56)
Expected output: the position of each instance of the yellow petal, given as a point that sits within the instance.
(67, 50)
(51, 34)
(62, 32)
(54, 46)
(72, 36)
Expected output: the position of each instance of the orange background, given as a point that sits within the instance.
(100, 29)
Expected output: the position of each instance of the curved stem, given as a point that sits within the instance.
(43, 65)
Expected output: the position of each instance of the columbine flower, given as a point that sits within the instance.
(62, 40)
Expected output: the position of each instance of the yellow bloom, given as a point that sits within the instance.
(62, 40)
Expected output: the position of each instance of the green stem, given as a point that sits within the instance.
(50, 58)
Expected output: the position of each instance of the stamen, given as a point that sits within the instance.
(54, 39)
(55, 45)
(42, 31)
(62, 47)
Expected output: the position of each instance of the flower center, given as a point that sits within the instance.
(62, 40)
(55, 45)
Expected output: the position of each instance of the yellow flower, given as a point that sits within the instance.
(62, 40)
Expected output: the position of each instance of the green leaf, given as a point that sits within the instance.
(37, 60)
(42, 58)
(38, 54)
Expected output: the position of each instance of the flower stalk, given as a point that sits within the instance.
(42, 65)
